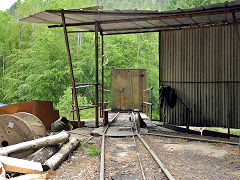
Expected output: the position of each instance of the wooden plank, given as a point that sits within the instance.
(20, 165)
(2, 171)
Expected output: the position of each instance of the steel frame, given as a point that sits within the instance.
(145, 30)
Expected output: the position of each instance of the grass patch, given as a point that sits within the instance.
(86, 144)
(93, 151)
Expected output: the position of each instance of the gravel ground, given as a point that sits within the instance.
(197, 160)
(122, 162)
(184, 159)
(80, 165)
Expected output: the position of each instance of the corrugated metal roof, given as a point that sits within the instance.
(139, 20)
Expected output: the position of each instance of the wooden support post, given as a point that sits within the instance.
(70, 67)
(96, 73)
(103, 77)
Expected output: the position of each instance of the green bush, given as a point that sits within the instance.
(65, 105)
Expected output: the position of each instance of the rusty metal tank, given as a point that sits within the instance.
(20, 127)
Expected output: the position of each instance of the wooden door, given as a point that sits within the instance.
(127, 87)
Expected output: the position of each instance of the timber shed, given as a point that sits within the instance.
(199, 55)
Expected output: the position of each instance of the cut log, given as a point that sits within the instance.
(31, 177)
(20, 165)
(2, 172)
(33, 144)
(61, 155)
(43, 154)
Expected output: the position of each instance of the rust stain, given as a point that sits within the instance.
(127, 87)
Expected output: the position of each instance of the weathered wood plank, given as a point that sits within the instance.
(20, 165)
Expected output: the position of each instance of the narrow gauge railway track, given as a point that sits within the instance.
(127, 149)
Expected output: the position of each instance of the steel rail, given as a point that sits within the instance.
(138, 155)
(162, 166)
(194, 138)
(103, 146)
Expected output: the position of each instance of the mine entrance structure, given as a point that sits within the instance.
(198, 55)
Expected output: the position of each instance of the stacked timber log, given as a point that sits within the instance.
(55, 149)
(47, 152)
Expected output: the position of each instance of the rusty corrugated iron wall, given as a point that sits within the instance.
(203, 66)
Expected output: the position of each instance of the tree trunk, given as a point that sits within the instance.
(34, 144)
(61, 155)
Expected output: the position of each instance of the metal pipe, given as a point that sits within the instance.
(70, 67)
(85, 86)
(90, 107)
(102, 76)
(159, 71)
(78, 84)
(151, 101)
(96, 73)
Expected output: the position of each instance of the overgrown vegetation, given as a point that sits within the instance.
(92, 149)
(33, 59)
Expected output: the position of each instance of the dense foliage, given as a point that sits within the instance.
(33, 59)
